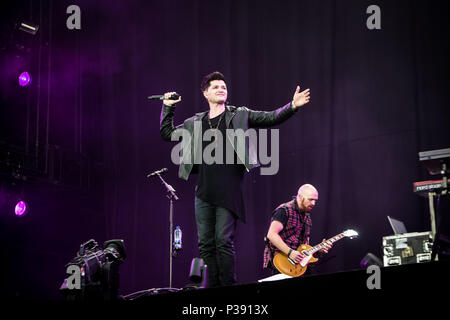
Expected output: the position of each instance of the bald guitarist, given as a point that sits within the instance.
(291, 226)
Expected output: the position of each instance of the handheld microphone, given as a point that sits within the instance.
(157, 172)
(161, 97)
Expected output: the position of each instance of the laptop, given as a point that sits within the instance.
(397, 225)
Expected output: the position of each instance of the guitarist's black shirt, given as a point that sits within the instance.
(282, 216)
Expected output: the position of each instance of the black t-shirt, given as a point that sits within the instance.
(220, 184)
(281, 216)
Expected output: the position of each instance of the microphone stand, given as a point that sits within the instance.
(172, 196)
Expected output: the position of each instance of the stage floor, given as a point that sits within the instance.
(400, 287)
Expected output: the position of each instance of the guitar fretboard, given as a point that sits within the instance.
(322, 244)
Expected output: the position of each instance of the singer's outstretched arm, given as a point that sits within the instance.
(265, 119)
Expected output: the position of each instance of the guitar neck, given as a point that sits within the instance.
(322, 244)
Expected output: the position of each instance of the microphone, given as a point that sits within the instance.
(157, 172)
(161, 97)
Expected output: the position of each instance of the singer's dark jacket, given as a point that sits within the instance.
(236, 118)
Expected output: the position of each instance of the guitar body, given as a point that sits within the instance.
(285, 266)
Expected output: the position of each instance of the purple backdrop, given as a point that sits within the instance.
(90, 136)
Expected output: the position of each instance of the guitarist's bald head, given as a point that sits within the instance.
(306, 190)
(307, 197)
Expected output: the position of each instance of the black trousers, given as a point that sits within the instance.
(216, 228)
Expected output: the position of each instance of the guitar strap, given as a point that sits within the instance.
(304, 219)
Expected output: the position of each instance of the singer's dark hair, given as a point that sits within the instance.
(216, 75)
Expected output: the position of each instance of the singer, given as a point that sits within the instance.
(218, 195)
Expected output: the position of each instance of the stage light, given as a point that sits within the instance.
(24, 79)
(99, 277)
(21, 208)
(370, 259)
(28, 27)
(198, 273)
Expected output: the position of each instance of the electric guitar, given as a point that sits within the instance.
(287, 266)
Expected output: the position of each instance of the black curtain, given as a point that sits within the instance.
(378, 97)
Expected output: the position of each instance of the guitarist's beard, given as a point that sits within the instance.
(304, 205)
(307, 208)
